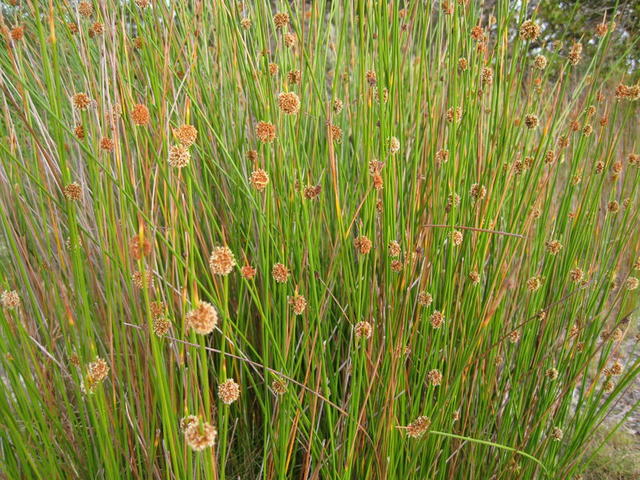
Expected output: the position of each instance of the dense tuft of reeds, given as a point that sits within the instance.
(323, 240)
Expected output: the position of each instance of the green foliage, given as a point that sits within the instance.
(526, 240)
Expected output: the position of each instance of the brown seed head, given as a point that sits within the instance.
(259, 179)
(534, 283)
(279, 386)
(16, 33)
(478, 192)
(362, 244)
(437, 319)
(248, 272)
(229, 391)
(107, 144)
(529, 30)
(457, 237)
(531, 121)
(281, 20)
(186, 422)
(140, 114)
(553, 246)
(289, 103)
(310, 191)
(632, 283)
(202, 319)
(142, 279)
(514, 336)
(179, 156)
(96, 29)
(290, 40)
(556, 434)
(85, 9)
(487, 76)
(371, 77)
(81, 101)
(222, 261)
(10, 299)
(200, 436)
(186, 134)
(294, 77)
(394, 145)
(434, 377)
(418, 427)
(551, 373)
(266, 132)
(540, 62)
(363, 329)
(424, 298)
(161, 326)
(280, 273)
(298, 303)
(157, 309)
(575, 54)
(394, 249)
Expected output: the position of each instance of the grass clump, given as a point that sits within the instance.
(310, 240)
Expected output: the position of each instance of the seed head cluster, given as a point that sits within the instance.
(229, 391)
(200, 435)
(298, 304)
(186, 135)
(266, 132)
(363, 329)
(221, 261)
(259, 179)
(202, 319)
(10, 299)
(280, 273)
(418, 427)
(179, 156)
(362, 244)
(529, 31)
(289, 103)
(97, 372)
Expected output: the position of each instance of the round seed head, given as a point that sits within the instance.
(266, 132)
(200, 436)
(222, 261)
(434, 377)
(259, 179)
(280, 273)
(529, 30)
(179, 156)
(362, 244)
(437, 319)
(73, 192)
(363, 330)
(298, 303)
(248, 272)
(81, 101)
(418, 427)
(140, 114)
(228, 391)
(289, 103)
(281, 20)
(186, 134)
(424, 299)
(279, 386)
(10, 299)
(161, 326)
(85, 9)
(540, 62)
(203, 319)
